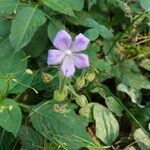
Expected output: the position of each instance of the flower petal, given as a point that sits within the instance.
(81, 60)
(55, 57)
(62, 40)
(81, 43)
(68, 67)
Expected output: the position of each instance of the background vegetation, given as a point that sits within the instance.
(106, 106)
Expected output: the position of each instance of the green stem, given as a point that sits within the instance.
(23, 105)
(61, 82)
(70, 88)
(83, 140)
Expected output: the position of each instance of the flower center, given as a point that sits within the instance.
(68, 52)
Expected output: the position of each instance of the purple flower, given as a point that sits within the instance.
(68, 53)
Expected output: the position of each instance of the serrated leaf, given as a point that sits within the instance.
(10, 116)
(142, 139)
(57, 121)
(61, 6)
(107, 128)
(26, 23)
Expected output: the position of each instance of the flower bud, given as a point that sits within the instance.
(46, 77)
(80, 82)
(29, 71)
(90, 76)
(60, 96)
(10, 107)
(81, 100)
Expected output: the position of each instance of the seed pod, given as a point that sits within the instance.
(80, 82)
(60, 96)
(46, 77)
(81, 100)
(90, 76)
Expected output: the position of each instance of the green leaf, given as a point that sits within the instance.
(91, 3)
(105, 32)
(22, 83)
(100, 64)
(145, 4)
(76, 4)
(107, 128)
(119, 3)
(53, 27)
(61, 6)
(35, 48)
(13, 68)
(133, 93)
(8, 6)
(26, 23)
(92, 53)
(58, 122)
(5, 142)
(91, 23)
(11, 62)
(30, 139)
(5, 47)
(10, 116)
(129, 74)
(4, 29)
(87, 111)
(145, 63)
(83, 18)
(142, 139)
(114, 106)
(103, 65)
(92, 34)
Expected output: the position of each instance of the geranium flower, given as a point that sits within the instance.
(68, 53)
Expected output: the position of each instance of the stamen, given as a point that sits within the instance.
(68, 52)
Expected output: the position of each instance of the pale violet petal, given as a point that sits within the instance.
(81, 43)
(55, 57)
(62, 40)
(68, 68)
(81, 60)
